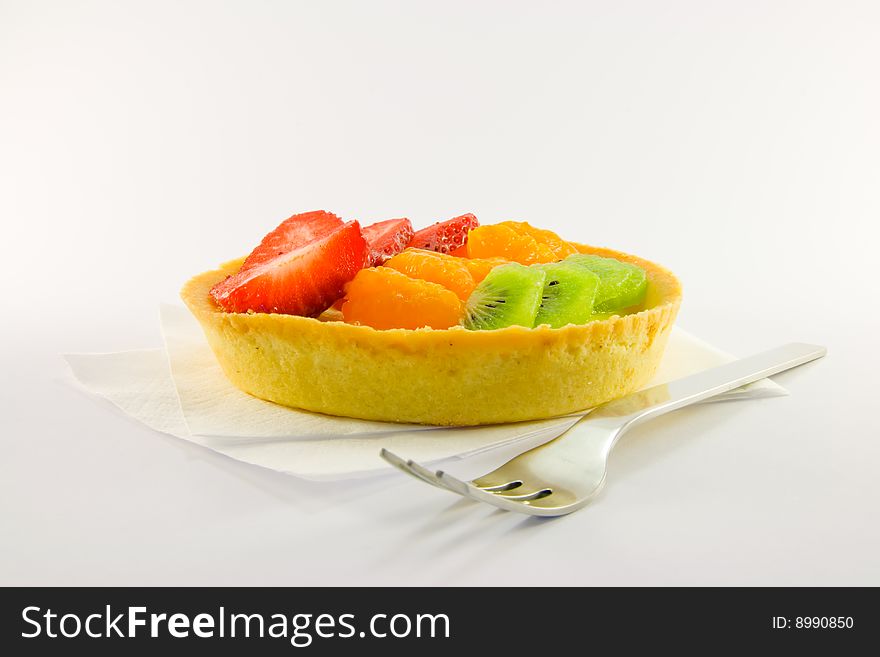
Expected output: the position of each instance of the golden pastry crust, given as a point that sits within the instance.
(441, 377)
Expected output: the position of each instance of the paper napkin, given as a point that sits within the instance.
(181, 390)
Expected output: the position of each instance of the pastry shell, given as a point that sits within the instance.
(439, 377)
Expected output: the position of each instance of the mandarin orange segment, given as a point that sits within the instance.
(480, 267)
(384, 298)
(559, 246)
(460, 252)
(499, 241)
(449, 271)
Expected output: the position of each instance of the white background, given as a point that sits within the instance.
(738, 143)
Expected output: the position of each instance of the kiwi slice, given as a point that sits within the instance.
(621, 285)
(569, 292)
(509, 295)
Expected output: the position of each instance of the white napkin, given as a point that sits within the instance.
(183, 392)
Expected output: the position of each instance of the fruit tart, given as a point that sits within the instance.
(454, 324)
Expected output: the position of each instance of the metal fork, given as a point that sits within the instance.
(564, 474)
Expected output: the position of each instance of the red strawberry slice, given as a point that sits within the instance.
(386, 239)
(302, 281)
(445, 236)
(292, 233)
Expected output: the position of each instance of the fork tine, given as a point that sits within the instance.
(426, 474)
(508, 504)
(545, 506)
(455, 484)
(418, 471)
(393, 459)
(530, 504)
(525, 496)
(523, 503)
(467, 489)
(406, 466)
(493, 481)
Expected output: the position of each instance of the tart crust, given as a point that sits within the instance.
(439, 377)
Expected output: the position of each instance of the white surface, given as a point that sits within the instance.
(181, 390)
(737, 143)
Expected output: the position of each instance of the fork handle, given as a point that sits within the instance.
(636, 408)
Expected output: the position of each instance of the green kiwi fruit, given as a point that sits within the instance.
(569, 292)
(622, 285)
(509, 295)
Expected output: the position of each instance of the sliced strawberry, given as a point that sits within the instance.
(303, 281)
(445, 236)
(292, 233)
(386, 239)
